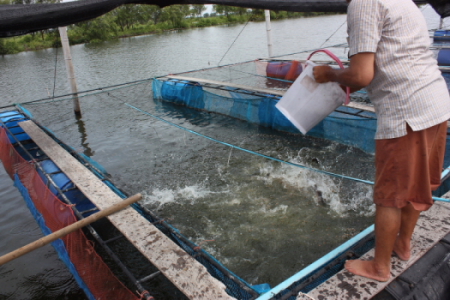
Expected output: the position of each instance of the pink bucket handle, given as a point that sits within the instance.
(336, 59)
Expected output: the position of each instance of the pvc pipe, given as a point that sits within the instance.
(269, 31)
(316, 265)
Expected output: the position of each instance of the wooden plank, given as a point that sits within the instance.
(221, 83)
(432, 226)
(360, 106)
(319, 62)
(346, 62)
(187, 274)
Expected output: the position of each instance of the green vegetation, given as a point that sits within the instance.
(132, 20)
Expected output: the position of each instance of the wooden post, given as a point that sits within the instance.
(68, 229)
(269, 31)
(70, 70)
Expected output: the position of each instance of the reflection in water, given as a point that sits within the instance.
(82, 130)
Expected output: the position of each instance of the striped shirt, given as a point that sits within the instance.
(408, 87)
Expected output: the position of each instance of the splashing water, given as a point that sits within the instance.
(267, 220)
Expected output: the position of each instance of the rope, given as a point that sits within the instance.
(257, 75)
(6, 106)
(145, 295)
(266, 156)
(233, 42)
(237, 147)
(100, 90)
(306, 51)
(249, 61)
(199, 247)
(332, 34)
(250, 151)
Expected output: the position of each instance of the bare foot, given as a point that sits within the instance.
(402, 250)
(368, 269)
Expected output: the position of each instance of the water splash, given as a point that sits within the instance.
(341, 197)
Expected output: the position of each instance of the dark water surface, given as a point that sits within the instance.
(265, 220)
(38, 275)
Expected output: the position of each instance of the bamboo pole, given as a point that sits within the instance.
(70, 69)
(268, 31)
(68, 229)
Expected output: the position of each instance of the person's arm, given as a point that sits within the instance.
(358, 75)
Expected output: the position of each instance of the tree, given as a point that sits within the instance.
(241, 10)
(175, 14)
(99, 29)
(125, 16)
(222, 9)
(230, 10)
(196, 10)
(150, 12)
(3, 49)
(258, 14)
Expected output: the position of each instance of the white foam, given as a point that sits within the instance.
(161, 197)
(185, 194)
(276, 210)
(323, 188)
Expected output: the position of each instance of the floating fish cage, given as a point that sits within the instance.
(56, 202)
(243, 92)
(352, 125)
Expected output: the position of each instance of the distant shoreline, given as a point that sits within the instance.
(108, 27)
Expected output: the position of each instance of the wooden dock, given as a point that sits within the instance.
(187, 274)
(433, 225)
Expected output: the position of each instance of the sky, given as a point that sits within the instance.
(209, 8)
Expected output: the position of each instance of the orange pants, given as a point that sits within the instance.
(409, 168)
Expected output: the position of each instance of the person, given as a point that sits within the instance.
(389, 55)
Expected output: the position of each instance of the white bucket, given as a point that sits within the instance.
(307, 102)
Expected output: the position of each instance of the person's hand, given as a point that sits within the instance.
(322, 73)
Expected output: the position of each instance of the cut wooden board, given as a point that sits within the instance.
(361, 106)
(432, 226)
(228, 84)
(187, 274)
(259, 90)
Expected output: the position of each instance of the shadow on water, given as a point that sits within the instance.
(84, 137)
